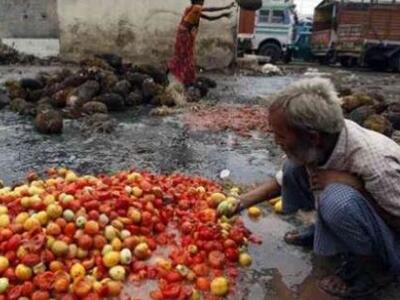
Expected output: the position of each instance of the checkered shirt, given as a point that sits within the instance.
(374, 158)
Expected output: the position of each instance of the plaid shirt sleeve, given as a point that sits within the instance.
(381, 176)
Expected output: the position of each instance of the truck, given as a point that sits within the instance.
(358, 33)
(269, 32)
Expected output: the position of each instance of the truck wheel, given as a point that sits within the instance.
(348, 62)
(287, 59)
(379, 65)
(271, 50)
(395, 63)
(345, 62)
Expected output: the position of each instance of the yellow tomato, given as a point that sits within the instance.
(31, 223)
(245, 260)
(3, 210)
(42, 217)
(219, 286)
(21, 218)
(3, 263)
(77, 270)
(4, 221)
(254, 212)
(23, 272)
(111, 259)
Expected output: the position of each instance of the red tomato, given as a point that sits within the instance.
(85, 242)
(201, 270)
(203, 284)
(216, 259)
(171, 291)
(10, 274)
(151, 243)
(156, 295)
(146, 218)
(232, 254)
(159, 227)
(40, 295)
(44, 280)
(31, 259)
(14, 242)
(186, 227)
(15, 292)
(236, 235)
(11, 255)
(27, 288)
(173, 277)
(70, 229)
(94, 215)
(230, 243)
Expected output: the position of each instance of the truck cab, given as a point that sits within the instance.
(270, 31)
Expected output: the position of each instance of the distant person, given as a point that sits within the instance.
(182, 64)
(348, 174)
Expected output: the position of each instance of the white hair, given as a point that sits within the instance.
(311, 104)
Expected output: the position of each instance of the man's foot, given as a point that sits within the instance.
(302, 237)
(351, 281)
(336, 286)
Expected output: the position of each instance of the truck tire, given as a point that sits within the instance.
(395, 63)
(375, 59)
(271, 50)
(348, 61)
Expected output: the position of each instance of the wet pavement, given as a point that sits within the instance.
(165, 144)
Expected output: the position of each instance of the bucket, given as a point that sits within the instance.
(250, 4)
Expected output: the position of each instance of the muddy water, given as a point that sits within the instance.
(166, 145)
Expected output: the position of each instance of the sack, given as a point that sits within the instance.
(250, 4)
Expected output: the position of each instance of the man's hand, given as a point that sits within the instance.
(320, 179)
(227, 15)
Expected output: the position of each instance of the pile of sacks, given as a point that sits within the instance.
(372, 111)
(101, 85)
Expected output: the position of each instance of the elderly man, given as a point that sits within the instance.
(349, 174)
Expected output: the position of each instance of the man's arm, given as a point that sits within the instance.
(213, 18)
(214, 9)
(268, 190)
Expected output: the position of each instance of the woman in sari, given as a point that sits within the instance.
(182, 64)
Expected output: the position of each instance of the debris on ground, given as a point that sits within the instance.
(271, 70)
(98, 123)
(162, 111)
(101, 85)
(49, 122)
(241, 120)
(250, 66)
(85, 237)
(10, 56)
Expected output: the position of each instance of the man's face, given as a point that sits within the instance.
(297, 147)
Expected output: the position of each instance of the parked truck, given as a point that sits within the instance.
(358, 33)
(270, 31)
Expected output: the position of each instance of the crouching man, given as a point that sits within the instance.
(348, 174)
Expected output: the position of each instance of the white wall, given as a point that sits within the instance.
(28, 19)
(142, 31)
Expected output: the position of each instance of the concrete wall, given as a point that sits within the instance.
(28, 19)
(142, 31)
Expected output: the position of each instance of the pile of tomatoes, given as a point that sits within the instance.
(87, 237)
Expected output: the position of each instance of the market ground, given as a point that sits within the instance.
(166, 144)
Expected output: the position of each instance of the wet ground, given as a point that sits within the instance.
(166, 145)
